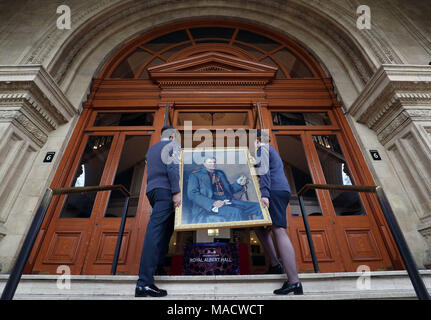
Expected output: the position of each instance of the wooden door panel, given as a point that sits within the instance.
(64, 245)
(363, 242)
(102, 248)
(321, 245)
(324, 241)
(362, 245)
(106, 244)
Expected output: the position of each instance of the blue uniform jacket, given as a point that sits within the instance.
(163, 166)
(271, 171)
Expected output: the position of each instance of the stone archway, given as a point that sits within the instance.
(192, 72)
(327, 30)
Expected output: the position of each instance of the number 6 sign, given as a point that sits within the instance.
(375, 154)
(49, 156)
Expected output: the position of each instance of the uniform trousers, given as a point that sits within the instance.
(158, 234)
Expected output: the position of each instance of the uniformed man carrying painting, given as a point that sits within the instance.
(275, 192)
(163, 192)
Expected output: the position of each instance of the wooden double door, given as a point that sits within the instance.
(83, 230)
(343, 224)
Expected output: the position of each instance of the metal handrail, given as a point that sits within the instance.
(27, 247)
(71, 190)
(412, 270)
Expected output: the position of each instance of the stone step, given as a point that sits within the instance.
(369, 295)
(321, 286)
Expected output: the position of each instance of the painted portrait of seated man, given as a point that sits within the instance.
(212, 196)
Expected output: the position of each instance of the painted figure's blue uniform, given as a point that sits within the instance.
(205, 187)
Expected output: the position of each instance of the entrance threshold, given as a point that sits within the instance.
(321, 286)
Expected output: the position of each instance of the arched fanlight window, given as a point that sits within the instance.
(262, 48)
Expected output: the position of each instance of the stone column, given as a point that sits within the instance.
(396, 105)
(32, 107)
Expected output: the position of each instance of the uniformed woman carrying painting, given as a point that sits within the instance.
(275, 192)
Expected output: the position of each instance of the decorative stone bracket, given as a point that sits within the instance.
(32, 101)
(395, 96)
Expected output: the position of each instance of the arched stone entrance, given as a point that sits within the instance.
(256, 76)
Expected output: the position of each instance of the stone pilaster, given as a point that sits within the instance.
(396, 105)
(425, 230)
(31, 107)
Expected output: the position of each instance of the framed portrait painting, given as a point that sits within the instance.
(219, 190)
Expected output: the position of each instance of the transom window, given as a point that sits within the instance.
(121, 119)
(258, 47)
(214, 118)
(301, 119)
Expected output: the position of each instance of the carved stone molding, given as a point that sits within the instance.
(31, 100)
(33, 83)
(402, 120)
(20, 119)
(419, 114)
(410, 26)
(325, 19)
(395, 125)
(395, 96)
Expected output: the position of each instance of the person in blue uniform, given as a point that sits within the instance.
(163, 193)
(213, 198)
(275, 193)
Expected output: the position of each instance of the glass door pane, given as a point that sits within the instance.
(336, 171)
(130, 173)
(292, 153)
(89, 173)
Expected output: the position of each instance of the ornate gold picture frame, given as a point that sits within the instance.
(219, 190)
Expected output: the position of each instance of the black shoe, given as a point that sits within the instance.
(278, 269)
(151, 290)
(287, 288)
(160, 271)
